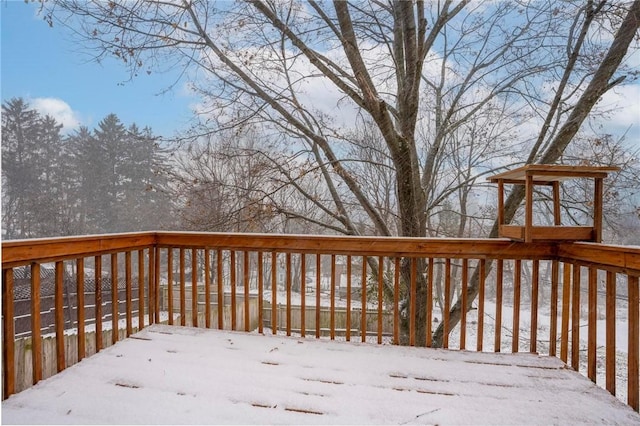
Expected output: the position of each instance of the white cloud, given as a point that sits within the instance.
(58, 109)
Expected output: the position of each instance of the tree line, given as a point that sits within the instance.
(108, 179)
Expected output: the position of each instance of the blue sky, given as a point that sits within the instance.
(43, 66)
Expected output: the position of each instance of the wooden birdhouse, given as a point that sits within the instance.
(551, 175)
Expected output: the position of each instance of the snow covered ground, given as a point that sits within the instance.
(175, 375)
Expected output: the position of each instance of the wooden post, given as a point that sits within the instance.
(535, 286)
(232, 266)
(498, 329)
(8, 335)
(429, 310)
(412, 304)
(380, 284)
(556, 203)
(207, 288)
(634, 341)
(36, 339)
(170, 284)
(500, 202)
(80, 311)
(575, 319)
(98, 299)
(481, 284)
(141, 301)
(156, 282)
(59, 316)
(183, 291)
(396, 301)
(349, 268)
(591, 338)
(303, 294)
(261, 294)
(152, 285)
(247, 312)
(528, 218)
(220, 289)
(127, 275)
(115, 310)
(463, 314)
(553, 323)
(517, 276)
(318, 268)
(194, 287)
(288, 282)
(610, 356)
(566, 299)
(363, 289)
(274, 293)
(447, 302)
(332, 296)
(597, 209)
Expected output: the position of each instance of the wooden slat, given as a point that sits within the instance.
(597, 209)
(553, 320)
(170, 284)
(207, 288)
(303, 295)
(332, 302)
(288, 283)
(556, 203)
(261, 294)
(36, 339)
(128, 301)
(498, 330)
(429, 310)
(447, 302)
(535, 285)
(274, 293)
(500, 202)
(380, 285)
(114, 298)
(141, 281)
(547, 233)
(154, 272)
(349, 269)
(318, 267)
(575, 319)
(396, 301)
(59, 316)
(220, 289)
(566, 299)
(592, 315)
(80, 310)
(633, 394)
(517, 277)
(247, 312)
(610, 313)
(363, 288)
(194, 287)
(463, 313)
(234, 307)
(481, 285)
(183, 290)
(98, 299)
(528, 209)
(8, 335)
(412, 302)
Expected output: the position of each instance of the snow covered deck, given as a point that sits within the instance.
(177, 375)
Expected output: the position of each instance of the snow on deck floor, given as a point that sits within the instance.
(176, 375)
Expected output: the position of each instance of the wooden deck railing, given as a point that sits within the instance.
(532, 297)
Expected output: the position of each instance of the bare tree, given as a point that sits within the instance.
(405, 66)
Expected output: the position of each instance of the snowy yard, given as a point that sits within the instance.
(175, 375)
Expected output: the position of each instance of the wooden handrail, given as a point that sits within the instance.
(241, 258)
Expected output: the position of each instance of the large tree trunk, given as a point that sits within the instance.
(600, 83)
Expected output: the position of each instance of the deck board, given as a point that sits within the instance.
(177, 375)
